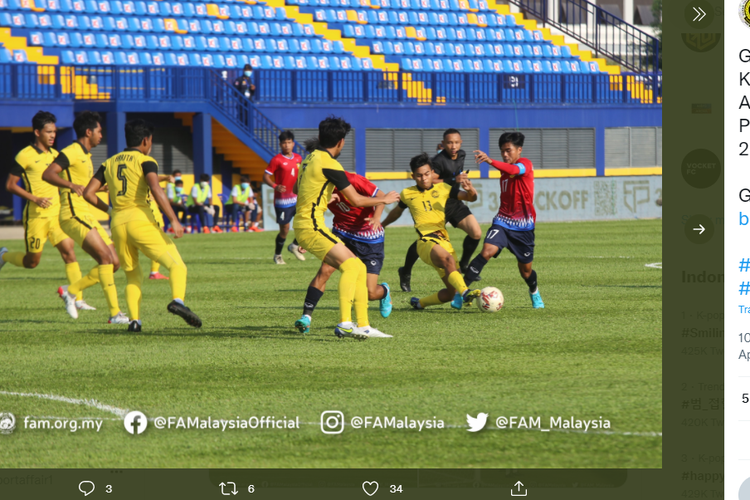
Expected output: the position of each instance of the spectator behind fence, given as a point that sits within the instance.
(199, 203)
(177, 200)
(242, 201)
(244, 84)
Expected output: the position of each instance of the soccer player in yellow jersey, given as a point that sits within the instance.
(426, 201)
(132, 179)
(71, 171)
(41, 217)
(318, 175)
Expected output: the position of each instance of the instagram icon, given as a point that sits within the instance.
(332, 422)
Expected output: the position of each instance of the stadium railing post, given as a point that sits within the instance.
(294, 85)
(14, 80)
(365, 86)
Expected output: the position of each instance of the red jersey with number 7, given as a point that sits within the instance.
(351, 222)
(284, 170)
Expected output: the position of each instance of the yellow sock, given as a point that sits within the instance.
(154, 266)
(347, 287)
(107, 281)
(361, 302)
(91, 279)
(73, 272)
(177, 272)
(457, 281)
(133, 293)
(15, 258)
(432, 300)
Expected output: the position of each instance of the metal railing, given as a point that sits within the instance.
(142, 84)
(190, 84)
(606, 34)
(307, 86)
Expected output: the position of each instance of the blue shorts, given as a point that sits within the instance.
(520, 243)
(371, 254)
(284, 215)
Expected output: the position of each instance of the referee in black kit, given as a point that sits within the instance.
(448, 164)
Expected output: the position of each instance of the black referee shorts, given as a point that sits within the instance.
(456, 211)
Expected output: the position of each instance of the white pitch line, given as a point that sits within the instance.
(655, 265)
(121, 412)
(93, 403)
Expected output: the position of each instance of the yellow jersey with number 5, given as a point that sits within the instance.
(125, 174)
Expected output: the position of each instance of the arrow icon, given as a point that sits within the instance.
(234, 488)
(519, 494)
(700, 14)
(699, 228)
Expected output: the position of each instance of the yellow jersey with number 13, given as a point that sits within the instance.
(427, 207)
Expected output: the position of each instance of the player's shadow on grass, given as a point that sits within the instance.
(622, 286)
(36, 279)
(249, 332)
(37, 321)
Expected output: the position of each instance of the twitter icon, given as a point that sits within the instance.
(476, 424)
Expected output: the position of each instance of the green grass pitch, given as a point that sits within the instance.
(595, 351)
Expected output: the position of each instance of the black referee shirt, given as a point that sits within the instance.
(446, 168)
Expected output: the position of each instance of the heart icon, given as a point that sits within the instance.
(370, 485)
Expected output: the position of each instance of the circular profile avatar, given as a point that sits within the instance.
(7, 423)
(745, 12)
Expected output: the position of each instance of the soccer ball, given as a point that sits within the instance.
(491, 300)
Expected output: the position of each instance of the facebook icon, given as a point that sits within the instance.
(135, 422)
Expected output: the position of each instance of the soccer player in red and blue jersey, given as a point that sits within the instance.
(281, 175)
(360, 230)
(513, 226)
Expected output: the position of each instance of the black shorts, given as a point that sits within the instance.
(456, 211)
(520, 243)
(371, 254)
(284, 215)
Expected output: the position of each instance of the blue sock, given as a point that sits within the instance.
(179, 301)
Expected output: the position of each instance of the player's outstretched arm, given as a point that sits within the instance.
(52, 176)
(12, 187)
(89, 194)
(152, 179)
(470, 193)
(393, 215)
(507, 168)
(357, 200)
(378, 214)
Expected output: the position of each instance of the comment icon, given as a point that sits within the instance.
(86, 487)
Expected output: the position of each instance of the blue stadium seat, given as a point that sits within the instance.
(300, 62)
(575, 67)
(89, 40)
(36, 38)
(67, 57)
(189, 43)
(107, 57)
